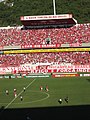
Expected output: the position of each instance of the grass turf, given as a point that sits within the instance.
(76, 88)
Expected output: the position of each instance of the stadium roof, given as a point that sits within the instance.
(63, 19)
(46, 17)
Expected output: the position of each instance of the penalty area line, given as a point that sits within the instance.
(18, 95)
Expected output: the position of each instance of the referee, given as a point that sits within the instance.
(66, 99)
(21, 98)
(60, 101)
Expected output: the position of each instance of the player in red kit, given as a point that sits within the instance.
(46, 88)
(15, 94)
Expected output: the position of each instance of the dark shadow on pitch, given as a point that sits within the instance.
(47, 113)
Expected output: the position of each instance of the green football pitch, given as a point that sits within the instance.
(76, 88)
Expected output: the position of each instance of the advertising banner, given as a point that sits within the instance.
(64, 75)
(41, 46)
(45, 69)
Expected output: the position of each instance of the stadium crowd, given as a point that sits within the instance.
(15, 36)
(79, 58)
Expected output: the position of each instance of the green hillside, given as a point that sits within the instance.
(10, 13)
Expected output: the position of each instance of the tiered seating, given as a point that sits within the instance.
(16, 37)
(80, 58)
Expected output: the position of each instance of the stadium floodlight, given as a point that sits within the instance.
(54, 7)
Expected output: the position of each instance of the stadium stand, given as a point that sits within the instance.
(74, 58)
(15, 36)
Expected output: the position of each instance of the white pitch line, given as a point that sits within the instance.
(18, 95)
(34, 100)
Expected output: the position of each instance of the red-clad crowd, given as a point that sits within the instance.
(15, 36)
(80, 58)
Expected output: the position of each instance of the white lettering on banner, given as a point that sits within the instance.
(65, 70)
(69, 67)
(41, 46)
(86, 74)
(46, 69)
(45, 17)
(82, 66)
